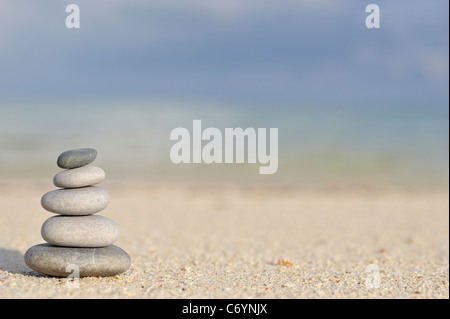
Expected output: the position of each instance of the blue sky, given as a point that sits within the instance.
(258, 50)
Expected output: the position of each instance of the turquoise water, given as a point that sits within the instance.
(324, 144)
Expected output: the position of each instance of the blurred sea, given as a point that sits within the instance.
(328, 144)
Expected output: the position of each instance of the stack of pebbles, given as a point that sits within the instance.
(77, 237)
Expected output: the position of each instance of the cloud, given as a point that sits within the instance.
(434, 64)
(229, 48)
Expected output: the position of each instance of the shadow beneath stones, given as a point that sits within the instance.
(11, 260)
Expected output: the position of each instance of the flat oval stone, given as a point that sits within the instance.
(76, 201)
(61, 261)
(79, 177)
(80, 231)
(76, 158)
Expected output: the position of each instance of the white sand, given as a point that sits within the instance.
(225, 242)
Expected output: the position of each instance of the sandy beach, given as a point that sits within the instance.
(250, 150)
(225, 241)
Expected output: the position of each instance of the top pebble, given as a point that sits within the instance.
(77, 158)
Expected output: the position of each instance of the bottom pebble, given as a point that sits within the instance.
(87, 262)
